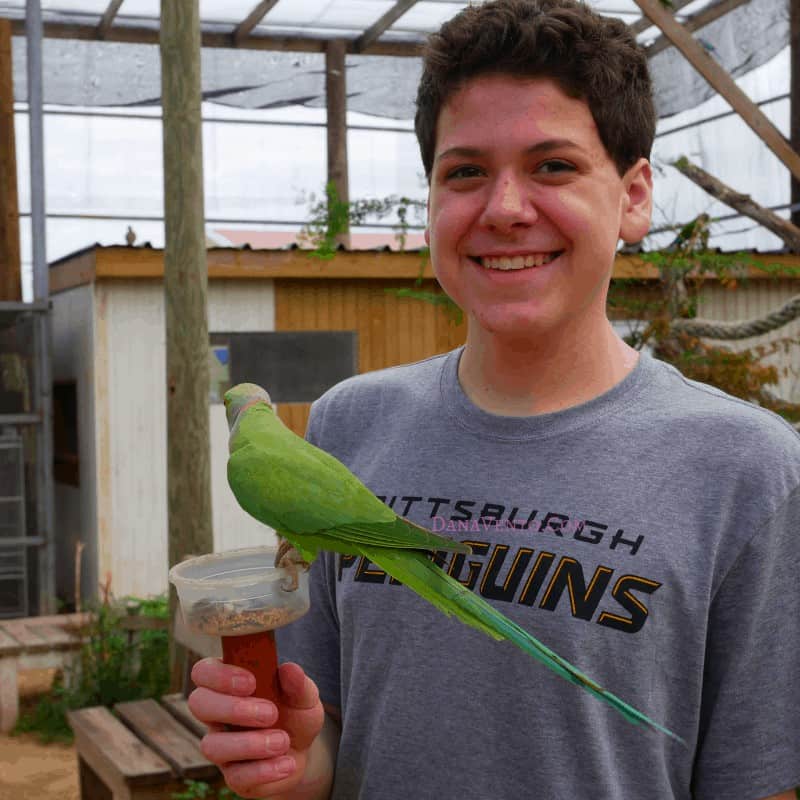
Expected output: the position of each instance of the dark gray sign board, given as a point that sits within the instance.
(293, 366)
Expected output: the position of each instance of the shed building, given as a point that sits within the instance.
(282, 318)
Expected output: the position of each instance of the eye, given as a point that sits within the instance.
(554, 166)
(465, 171)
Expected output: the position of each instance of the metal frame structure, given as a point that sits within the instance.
(183, 51)
(372, 41)
(40, 419)
(14, 561)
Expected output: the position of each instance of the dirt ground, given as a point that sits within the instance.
(30, 770)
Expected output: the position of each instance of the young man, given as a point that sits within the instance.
(643, 526)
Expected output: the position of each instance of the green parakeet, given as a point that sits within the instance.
(314, 503)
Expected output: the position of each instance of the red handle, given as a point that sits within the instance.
(257, 653)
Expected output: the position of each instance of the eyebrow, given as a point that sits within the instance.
(476, 152)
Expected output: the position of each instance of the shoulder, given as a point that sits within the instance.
(730, 428)
(388, 397)
(393, 384)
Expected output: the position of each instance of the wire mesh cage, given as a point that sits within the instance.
(13, 562)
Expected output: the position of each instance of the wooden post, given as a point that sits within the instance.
(10, 266)
(336, 104)
(185, 287)
(373, 33)
(794, 98)
(720, 80)
(252, 19)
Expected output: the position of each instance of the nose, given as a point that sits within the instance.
(508, 205)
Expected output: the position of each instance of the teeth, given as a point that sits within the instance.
(517, 262)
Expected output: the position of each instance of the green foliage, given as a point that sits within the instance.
(455, 314)
(112, 667)
(731, 269)
(200, 790)
(331, 216)
(440, 299)
(684, 268)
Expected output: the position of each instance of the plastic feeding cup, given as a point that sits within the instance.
(242, 597)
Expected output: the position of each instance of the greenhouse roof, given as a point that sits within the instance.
(115, 60)
(388, 27)
(263, 83)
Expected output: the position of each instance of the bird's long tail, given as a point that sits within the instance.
(421, 575)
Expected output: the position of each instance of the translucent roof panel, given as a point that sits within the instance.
(264, 141)
(427, 16)
(348, 18)
(350, 14)
(85, 72)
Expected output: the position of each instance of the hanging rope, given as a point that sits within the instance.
(711, 329)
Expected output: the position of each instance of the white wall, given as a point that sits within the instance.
(131, 441)
(235, 306)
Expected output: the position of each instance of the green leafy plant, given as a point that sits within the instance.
(440, 299)
(200, 790)
(112, 666)
(684, 268)
(330, 216)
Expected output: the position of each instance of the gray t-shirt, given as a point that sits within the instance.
(651, 536)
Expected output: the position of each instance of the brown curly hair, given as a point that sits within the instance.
(591, 57)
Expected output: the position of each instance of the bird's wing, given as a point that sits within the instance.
(299, 493)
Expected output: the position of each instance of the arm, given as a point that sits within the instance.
(292, 763)
(788, 795)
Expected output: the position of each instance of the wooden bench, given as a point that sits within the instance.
(46, 643)
(143, 751)
(33, 643)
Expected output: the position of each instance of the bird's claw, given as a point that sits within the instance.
(289, 559)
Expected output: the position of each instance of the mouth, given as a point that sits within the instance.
(517, 262)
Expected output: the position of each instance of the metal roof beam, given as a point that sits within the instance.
(108, 19)
(252, 19)
(295, 44)
(373, 33)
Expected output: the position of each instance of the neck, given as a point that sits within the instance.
(526, 376)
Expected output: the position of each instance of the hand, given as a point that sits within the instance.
(266, 761)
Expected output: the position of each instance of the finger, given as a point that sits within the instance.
(303, 725)
(302, 714)
(299, 691)
(223, 748)
(267, 777)
(213, 707)
(211, 673)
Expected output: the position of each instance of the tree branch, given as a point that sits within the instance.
(742, 203)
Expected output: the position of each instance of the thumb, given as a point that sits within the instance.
(298, 690)
(302, 714)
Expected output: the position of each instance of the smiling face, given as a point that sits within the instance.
(526, 208)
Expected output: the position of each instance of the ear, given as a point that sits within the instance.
(637, 202)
